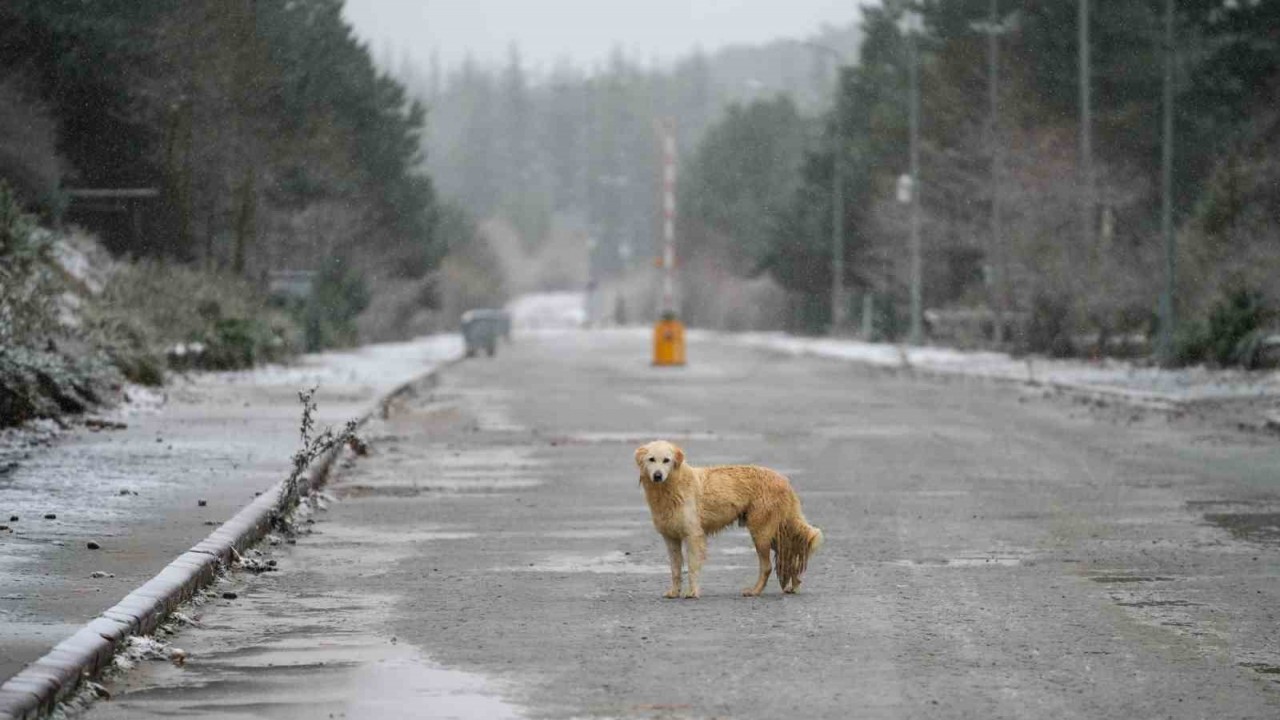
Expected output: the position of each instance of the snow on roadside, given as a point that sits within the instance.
(1107, 376)
(381, 367)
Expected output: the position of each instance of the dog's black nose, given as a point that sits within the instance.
(657, 477)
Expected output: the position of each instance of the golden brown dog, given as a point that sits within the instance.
(688, 503)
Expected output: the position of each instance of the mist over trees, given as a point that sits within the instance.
(579, 149)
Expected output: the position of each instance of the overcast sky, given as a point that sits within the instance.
(583, 31)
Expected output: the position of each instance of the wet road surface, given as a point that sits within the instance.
(135, 488)
(989, 553)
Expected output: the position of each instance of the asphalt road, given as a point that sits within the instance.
(989, 553)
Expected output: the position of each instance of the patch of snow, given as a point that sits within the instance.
(381, 367)
(84, 259)
(138, 648)
(140, 400)
(548, 311)
(1115, 377)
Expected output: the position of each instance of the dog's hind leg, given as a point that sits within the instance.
(677, 563)
(762, 543)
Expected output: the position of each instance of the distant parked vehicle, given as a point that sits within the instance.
(481, 329)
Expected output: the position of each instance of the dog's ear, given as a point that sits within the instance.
(679, 457)
(640, 453)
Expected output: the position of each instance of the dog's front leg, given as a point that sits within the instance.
(677, 563)
(697, 553)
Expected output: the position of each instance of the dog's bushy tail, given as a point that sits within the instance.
(797, 542)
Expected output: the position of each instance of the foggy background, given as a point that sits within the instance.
(582, 33)
(374, 169)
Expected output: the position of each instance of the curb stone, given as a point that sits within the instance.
(36, 689)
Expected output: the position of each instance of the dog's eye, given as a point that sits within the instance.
(666, 460)
(650, 459)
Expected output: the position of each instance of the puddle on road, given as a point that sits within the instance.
(864, 432)
(306, 667)
(491, 408)
(583, 534)
(1158, 603)
(454, 473)
(330, 533)
(1251, 520)
(1263, 668)
(985, 561)
(640, 438)
(612, 562)
(287, 649)
(1004, 557)
(636, 400)
(391, 489)
(1260, 527)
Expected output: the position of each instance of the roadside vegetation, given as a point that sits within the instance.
(244, 142)
(41, 373)
(1067, 291)
(75, 325)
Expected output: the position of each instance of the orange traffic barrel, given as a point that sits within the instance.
(668, 341)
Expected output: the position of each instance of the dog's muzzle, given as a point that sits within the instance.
(658, 476)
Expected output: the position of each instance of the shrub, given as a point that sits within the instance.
(236, 343)
(129, 344)
(1233, 333)
(338, 296)
(39, 383)
(152, 311)
(1242, 312)
(1048, 328)
(28, 286)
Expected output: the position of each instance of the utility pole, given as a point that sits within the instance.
(838, 306)
(1086, 136)
(1167, 318)
(994, 29)
(913, 80)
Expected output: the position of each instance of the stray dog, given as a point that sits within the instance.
(688, 503)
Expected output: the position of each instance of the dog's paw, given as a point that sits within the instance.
(671, 594)
(750, 592)
(692, 594)
(791, 589)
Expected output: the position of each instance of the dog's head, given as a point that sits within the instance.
(658, 460)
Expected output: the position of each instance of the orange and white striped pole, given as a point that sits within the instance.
(668, 218)
(668, 335)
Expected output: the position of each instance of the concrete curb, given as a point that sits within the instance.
(40, 686)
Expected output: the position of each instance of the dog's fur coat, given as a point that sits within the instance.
(688, 503)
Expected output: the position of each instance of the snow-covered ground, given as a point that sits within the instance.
(1117, 377)
(381, 367)
(1111, 376)
(548, 311)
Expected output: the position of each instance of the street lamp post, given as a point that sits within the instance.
(1086, 134)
